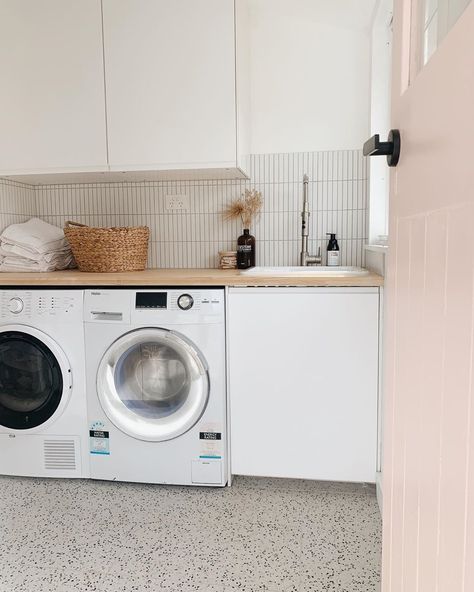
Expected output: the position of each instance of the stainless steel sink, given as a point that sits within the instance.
(316, 271)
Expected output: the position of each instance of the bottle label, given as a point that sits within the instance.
(333, 258)
(244, 248)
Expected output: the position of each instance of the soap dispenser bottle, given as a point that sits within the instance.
(333, 258)
(245, 250)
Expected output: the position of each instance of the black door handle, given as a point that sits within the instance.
(390, 149)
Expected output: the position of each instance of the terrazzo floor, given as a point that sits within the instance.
(259, 535)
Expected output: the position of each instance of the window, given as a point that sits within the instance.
(437, 18)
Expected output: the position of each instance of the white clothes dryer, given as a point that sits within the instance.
(156, 381)
(43, 416)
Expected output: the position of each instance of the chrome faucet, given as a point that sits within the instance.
(305, 257)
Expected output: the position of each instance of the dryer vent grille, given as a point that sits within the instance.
(60, 455)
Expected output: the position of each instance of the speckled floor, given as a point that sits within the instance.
(260, 535)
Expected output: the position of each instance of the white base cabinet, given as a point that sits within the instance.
(303, 373)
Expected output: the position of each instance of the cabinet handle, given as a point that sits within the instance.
(390, 149)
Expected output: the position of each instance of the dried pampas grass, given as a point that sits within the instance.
(247, 207)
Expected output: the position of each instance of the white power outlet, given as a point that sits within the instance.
(177, 202)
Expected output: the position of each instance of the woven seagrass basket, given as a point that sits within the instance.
(108, 249)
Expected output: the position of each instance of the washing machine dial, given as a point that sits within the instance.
(15, 305)
(185, 301)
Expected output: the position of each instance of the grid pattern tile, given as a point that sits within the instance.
(17, 203)
(338, 198)
(338, 191)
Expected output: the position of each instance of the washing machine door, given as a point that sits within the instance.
(153, 384)
(35, 378)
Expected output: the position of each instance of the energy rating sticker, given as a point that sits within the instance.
(99, 442)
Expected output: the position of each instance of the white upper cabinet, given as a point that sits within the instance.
(52, 109)
(170, 79)
(148, 87)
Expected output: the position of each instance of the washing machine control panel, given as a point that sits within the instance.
(180, 306)
(160, 305)
(190, 302)
(175, 300)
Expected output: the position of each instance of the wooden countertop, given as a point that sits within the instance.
(179, 277)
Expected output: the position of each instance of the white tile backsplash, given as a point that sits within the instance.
(338, 191)
(17, 202)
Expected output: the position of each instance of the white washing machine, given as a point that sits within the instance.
(43, 416)
(156, 385)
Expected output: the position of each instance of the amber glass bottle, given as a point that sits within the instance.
(245, 250)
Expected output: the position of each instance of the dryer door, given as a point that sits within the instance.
(35, 378)
(153, 384)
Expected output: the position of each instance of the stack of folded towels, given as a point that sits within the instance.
(34, 246)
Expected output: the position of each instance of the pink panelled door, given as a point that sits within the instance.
(428, 474)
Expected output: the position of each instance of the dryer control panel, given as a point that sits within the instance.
(63, 305)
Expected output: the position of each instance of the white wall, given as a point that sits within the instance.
(381, 74)
(310, 74)
(381, 71)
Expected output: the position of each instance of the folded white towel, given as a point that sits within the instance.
(21, 264)
(8, 250)
(35, 235)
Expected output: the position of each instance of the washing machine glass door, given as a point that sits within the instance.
(31, 378)
(153, 384)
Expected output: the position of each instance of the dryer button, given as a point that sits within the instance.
(15, 305)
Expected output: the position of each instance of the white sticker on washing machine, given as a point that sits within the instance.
(211, 441)
(99, 442)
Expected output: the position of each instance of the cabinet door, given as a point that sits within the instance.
(170, 80)
(303, 382)
(52, 107)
